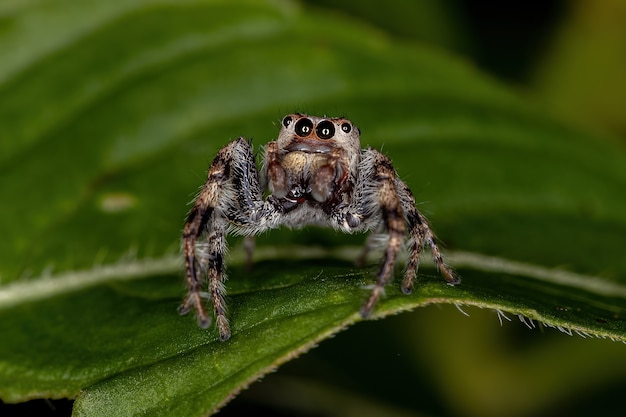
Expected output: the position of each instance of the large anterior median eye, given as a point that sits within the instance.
(325, 129)
(304, 127)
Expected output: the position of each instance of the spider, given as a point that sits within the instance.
(315, 173)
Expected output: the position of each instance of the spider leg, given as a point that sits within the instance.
(232, 183)
(447, 273)
(420, 234)
(393, 218)
(195, 225)
(217, 247)
(416, 233)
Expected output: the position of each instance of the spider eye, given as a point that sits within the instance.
(287, 121)
(325, 129)
(346, 127)
(304, 127)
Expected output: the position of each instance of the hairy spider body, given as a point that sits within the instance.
(316, 174)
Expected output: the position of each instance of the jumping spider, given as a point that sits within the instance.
(316, 174)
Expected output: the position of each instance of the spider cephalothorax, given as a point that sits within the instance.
(316, 174)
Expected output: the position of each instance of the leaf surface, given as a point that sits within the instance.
(108, 132)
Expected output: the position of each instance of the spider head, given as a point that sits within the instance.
(317, 159)
(311, 134)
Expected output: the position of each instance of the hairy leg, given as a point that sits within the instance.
(232, 169)
(429, 238)
(420, 234)
(216, 239)
(393, 219)
(197, 219)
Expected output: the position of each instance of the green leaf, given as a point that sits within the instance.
(580, 76)
(108, 126)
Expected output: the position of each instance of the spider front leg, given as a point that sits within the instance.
(393, 219)
(385, 194)
(232, 187)
(195, 225)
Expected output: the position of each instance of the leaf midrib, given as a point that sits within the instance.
(47, 286)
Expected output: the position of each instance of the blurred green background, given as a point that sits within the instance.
(567, 58)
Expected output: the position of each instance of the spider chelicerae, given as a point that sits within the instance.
(315, 173)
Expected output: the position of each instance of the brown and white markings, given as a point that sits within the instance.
(316, 174)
